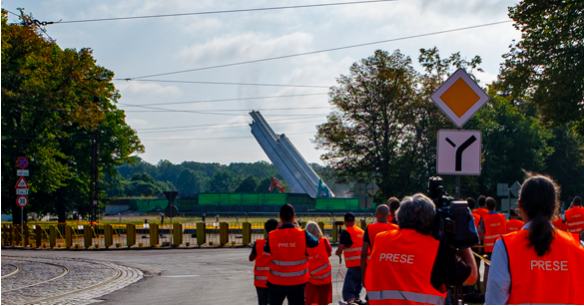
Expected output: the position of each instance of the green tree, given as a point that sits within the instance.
(221, 182)
(190, 181)
(52, 101)
(547, 66)
(247, 185)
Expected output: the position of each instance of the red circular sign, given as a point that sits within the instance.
(22, 201)
(22, 162)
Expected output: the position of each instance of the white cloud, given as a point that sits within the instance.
(244, 47)
(134, 90)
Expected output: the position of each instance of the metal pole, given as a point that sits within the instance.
(22, 224)
(458, 187)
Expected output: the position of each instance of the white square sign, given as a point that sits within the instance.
(459, 152)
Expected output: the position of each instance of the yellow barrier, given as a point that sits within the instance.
(153, 235)
(321, 225)
(38, 232)
(108, 239)
(52, 236)
(246, 233)
(223, 233)
(130, 235)
(363, 224)
(201, 234)
(17, 236)
(68, 236)
(87, 236)
(176, 234)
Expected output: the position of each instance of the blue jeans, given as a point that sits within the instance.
(352, 285)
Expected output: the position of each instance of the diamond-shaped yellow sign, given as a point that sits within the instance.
(459, 97)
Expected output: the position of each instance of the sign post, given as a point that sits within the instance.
(170, 211)
(459, 152)
(22, 190)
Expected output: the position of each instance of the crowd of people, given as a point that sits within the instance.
(533, 257)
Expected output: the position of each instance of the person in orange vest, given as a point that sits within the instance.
(560, 224)
(382, 225)
(482, 210)
(409, 266)
(537, 264)
(514, 223)
(350, 245)
(575, 216)
(288, 246)
(491, 228)
(319, 289)
(479, 249)
(262, 264)
(393, 204)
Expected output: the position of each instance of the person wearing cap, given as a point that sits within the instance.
(289, 267)
(350, 245)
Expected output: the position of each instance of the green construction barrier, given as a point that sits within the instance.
(337, 204)
(186, 204)
(242, 199)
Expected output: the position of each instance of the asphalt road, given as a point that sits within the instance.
(182, 276)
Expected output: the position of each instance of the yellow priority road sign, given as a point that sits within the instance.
(460, 97)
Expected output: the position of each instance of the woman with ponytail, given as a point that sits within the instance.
(538, 264)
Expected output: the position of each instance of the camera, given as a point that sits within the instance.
(454, 221)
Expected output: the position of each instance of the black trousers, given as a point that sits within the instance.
(263, 294)
(294, 297)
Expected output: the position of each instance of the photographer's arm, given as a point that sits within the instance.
(467, 257)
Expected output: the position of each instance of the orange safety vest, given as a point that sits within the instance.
(575, 219)
(495, 226)
(262, 265)
(353, 253)
(409, 255)
(559, 224)
(477, 220)
(376, 228)
(514, 225)
(555, 278)
(289, 262)
(319, 264)
(481, 212)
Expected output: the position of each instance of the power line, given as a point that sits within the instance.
(205, 112)
(249, 110)
(186, 128)
(229, 100)
(226, 11)
(320, 51)
(224, 83)
(215, 138)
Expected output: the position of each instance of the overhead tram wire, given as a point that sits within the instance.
(227, 11)
(209, 112)
(223, 83)
(319, 51)
(228, 100)
(259, 109)
(217, 138)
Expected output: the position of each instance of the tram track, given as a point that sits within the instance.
(16, 271)
(65, 272)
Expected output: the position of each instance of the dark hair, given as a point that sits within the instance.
(513, 212)
(471, 202)
(577, 201)
(271, 225)
(417, 212)
(538, 198)
(393, 204)
(481, 201)
(287, 212)
(491, 203)
(349, 217)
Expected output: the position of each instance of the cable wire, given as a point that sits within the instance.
(229, 100)
(222, 83)
(319, 51)
(227, 11)
(216, 138)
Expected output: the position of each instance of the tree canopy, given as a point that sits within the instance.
(52, 101)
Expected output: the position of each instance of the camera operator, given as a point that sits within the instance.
(424, 265)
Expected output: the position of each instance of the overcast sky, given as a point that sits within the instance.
(140, 47)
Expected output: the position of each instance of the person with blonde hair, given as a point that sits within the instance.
(319, 289)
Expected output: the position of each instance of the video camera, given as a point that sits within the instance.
(454, 221)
